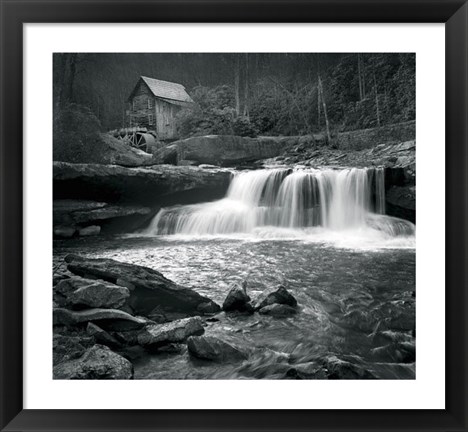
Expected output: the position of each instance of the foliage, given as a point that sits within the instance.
(213, 115)
(389, 95)
(247, 94)
(242, 126)
(76, 133)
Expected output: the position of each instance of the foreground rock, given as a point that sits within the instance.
(98, 362)
(213, 349)
(156, 336)
(331, 368)
(108, 319)
(279, 295)
(341, 369)
(237, 299)
(101, 336)
(278, 310)
(306, 371)
(164, 184)
(67, 348)
(148, 288)
(80, 292)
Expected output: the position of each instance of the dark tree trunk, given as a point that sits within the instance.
(246, 86)
(237, 84)
(71, 77)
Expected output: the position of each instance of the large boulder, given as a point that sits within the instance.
(156, 336)
(108, 319)
(98, 362)
(213, 349)
(149, 289)
(279, 295)
(161, 184)
(228, 150)
(166, 155)
(103, 148)
(80, 292)
(237, 299)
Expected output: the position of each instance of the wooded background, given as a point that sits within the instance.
(245, 94)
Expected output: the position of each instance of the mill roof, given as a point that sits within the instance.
(169, 91)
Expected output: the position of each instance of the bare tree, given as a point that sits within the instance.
(237, 84)
(376, 93)
(324, 104)
(294, 102)
(246, 86)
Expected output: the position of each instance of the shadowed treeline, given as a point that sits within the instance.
(248, 93)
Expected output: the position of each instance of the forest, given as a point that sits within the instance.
(246, 94)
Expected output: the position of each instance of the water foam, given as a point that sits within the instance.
(313, 205)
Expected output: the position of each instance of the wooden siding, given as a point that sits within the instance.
(165, 114)
(156, 115)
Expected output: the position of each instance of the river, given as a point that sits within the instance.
(324, 236)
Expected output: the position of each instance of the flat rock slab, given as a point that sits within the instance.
(98, 362)
(139, 186)
(109, 319)
(156, 336)
(148, 288)
(77, 291)
(69, 211)
(213, 349)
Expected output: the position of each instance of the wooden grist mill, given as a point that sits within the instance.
(137, 137)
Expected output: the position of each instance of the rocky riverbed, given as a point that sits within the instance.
(107, 313)
(232, 309)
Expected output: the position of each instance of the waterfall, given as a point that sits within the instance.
(334, 199)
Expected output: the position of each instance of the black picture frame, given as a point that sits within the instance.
(14, 13)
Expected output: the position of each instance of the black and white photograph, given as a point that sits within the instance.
(234, 216)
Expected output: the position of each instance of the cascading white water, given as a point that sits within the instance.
(333, 199)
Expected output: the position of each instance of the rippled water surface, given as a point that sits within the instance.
(356, 305)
